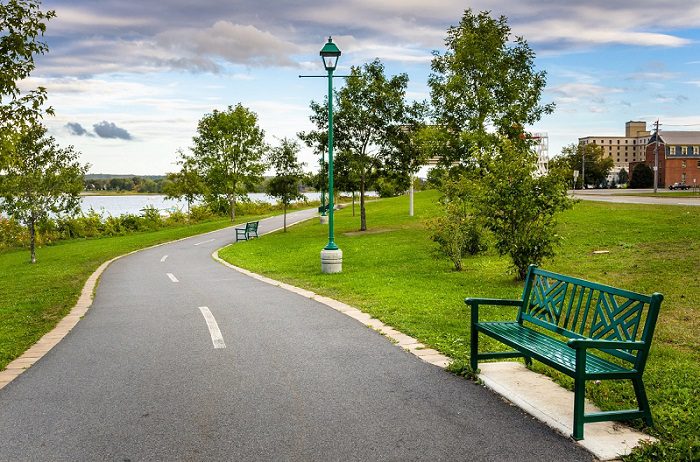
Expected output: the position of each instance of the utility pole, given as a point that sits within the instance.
(583, 167)
(656, 157)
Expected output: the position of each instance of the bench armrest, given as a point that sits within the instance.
(584, 343)
(475, 302)
(472, 301)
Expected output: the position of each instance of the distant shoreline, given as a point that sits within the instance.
(118, 193)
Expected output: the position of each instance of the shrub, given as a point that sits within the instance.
(457, 233)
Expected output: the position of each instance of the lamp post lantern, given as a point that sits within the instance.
(331, 255)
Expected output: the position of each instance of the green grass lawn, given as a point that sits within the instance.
(392, 272)
(662, 194)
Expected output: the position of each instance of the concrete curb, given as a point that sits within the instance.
(404, 341)
(534, 393)
(49, 340)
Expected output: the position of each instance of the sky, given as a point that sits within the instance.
(129, 80)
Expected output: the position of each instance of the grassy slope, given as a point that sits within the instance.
(391, 272)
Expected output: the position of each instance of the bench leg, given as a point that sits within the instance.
(474, 349)
(579, 393)
(642, 400)
(528, 361)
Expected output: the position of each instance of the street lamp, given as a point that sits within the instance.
(331, 255)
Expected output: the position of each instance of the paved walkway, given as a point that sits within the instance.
(182, 358)
(621, 196)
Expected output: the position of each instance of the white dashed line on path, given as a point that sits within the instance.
(204, 242)
(216, 338)
(165, 257)
(172, 277)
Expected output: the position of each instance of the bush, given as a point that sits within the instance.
(457, 233)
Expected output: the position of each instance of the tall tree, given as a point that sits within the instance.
(23, 24)
(368, 113)
(483, 83)
(41, 179)
(185, 184)
(484, 91)
(598, 165)
(228, 154)
(288, 174)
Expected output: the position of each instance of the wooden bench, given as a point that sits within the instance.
(585, 330)
(248, 231)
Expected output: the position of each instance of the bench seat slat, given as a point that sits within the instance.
(523, 338)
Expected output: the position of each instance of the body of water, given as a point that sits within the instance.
(134, 203)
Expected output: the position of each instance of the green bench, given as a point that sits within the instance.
(248, 231)
(585, 330)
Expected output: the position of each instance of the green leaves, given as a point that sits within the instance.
(228, 154)
(40, 179)
(484, 82)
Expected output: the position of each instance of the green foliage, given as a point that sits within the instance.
(23, 25)
(483, 80)
(520, 208)
(642, 177)
(457, 232)
(288, 174)
(186, 184)
(40, 179)
(228, 156)
(598, 165)
(623, 177)
(372, 127)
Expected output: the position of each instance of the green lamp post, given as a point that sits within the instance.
(331, 255)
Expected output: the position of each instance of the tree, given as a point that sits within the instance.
(228, 155)
(484, 91)
(369, 112)
(41, 179)
(519, 207)
(185, 184)
(598, 165)
(623, 177)
(642, 177)
(23, 25)
(288, 174)
(483, 82)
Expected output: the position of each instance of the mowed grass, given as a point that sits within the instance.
(33, 298)
(392, 272)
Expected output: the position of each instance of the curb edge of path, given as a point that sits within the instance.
(404, 341)
(50, 339)
(604, 446)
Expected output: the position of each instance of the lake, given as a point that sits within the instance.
(134, 203)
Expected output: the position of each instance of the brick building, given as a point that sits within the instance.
(679, 157)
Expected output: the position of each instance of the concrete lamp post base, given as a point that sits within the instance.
(331, 261)
(323, 219)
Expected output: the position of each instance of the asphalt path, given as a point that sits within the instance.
(266, 375)
(618, 196)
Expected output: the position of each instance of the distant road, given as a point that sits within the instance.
(621, 196)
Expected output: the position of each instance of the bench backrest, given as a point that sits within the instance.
(576, 308)
(251, 226)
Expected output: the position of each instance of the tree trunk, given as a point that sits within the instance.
(232, 203)
(285, 217)
(32, 239)
(353, 203)
(363, 215)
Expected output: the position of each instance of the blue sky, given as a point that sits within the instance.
(130, 79)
